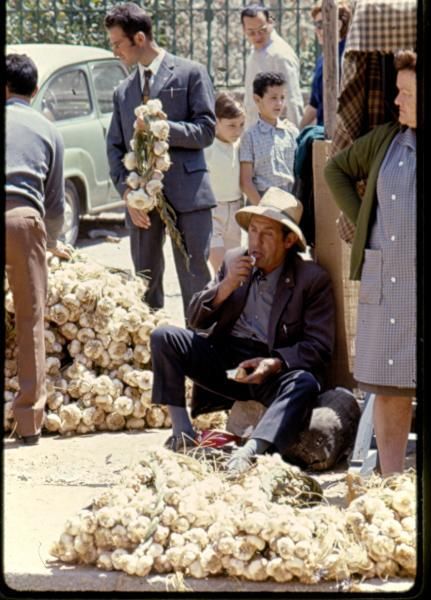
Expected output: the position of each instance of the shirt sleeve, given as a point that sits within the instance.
(294, 102)
(316, 86)
(246, 153)
(54, 183)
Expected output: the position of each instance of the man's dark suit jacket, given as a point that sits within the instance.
(301, 325)
(186, 93)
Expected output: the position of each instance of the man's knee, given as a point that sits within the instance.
(305, 381)
(162, 337)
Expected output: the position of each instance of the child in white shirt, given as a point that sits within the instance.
(222, 159)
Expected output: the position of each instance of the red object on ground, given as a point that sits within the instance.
(217, 438)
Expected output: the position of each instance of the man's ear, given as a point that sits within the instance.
(290, 240)
(140, 38)
(256, 98)
(36, 89)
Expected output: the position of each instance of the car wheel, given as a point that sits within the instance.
(70, 230)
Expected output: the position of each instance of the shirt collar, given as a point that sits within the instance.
(407, 137)
(271, 278)
(264, 126)
(154, 65)
(15, 100)
(272, 38)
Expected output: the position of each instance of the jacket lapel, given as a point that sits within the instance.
(135, 92)
(163, 76)
(282, 296)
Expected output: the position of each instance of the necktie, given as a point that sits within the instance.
(146, 90)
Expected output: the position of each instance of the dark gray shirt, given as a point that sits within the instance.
(254, 319)
(34, 164)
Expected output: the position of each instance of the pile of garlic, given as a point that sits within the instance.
(174, 514)
(98, 365)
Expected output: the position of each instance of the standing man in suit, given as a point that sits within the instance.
(269, 312)
(186, 93)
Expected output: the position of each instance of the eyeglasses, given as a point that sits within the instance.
(318, 24)
(254, 32)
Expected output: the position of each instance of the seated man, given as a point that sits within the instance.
(267, 311)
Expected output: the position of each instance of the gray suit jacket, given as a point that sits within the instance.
(185, 90)
(301, 324)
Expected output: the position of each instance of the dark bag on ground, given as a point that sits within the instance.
(328, 438)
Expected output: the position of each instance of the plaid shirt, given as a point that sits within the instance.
(271, 149)
(382, 26)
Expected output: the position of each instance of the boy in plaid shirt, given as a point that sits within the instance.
(267, 148)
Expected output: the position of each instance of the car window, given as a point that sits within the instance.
(106, 77)
(67, 96)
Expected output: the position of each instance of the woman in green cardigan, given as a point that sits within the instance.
(383, 258)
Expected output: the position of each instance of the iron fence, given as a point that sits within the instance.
(208, 31)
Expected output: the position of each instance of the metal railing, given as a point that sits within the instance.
(208, 31)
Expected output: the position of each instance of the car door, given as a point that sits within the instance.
(66, 99)
(105, 77)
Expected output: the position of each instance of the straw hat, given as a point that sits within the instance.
(277, 205)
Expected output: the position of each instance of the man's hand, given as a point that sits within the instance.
(237, 272)
(61, 250)
(140, 218)
(262, 369)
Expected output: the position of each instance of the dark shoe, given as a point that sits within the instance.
(28, 440)
(180, 443)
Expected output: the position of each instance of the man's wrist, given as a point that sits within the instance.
(283, 366)
(278, 364)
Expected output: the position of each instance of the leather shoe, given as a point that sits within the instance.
(29, 440)
(180, 443)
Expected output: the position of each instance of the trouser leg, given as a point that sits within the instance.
(196, 228)
(178, 353)
(292, 397)
(27, 275)
(146, 246)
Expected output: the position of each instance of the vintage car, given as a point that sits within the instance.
(75, 92)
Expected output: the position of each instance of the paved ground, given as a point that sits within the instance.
(46, 484)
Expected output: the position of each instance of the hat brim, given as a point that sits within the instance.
(244, 215)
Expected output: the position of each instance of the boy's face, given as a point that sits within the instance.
(272, 103)
(230, 130)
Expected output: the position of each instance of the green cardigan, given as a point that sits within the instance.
(362, 160)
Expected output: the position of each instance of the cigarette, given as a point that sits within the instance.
(231, 373)
(253, 260)
(238, 373)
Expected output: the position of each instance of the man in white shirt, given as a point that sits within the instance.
(270, 53)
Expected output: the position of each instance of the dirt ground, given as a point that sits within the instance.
(44, 485)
